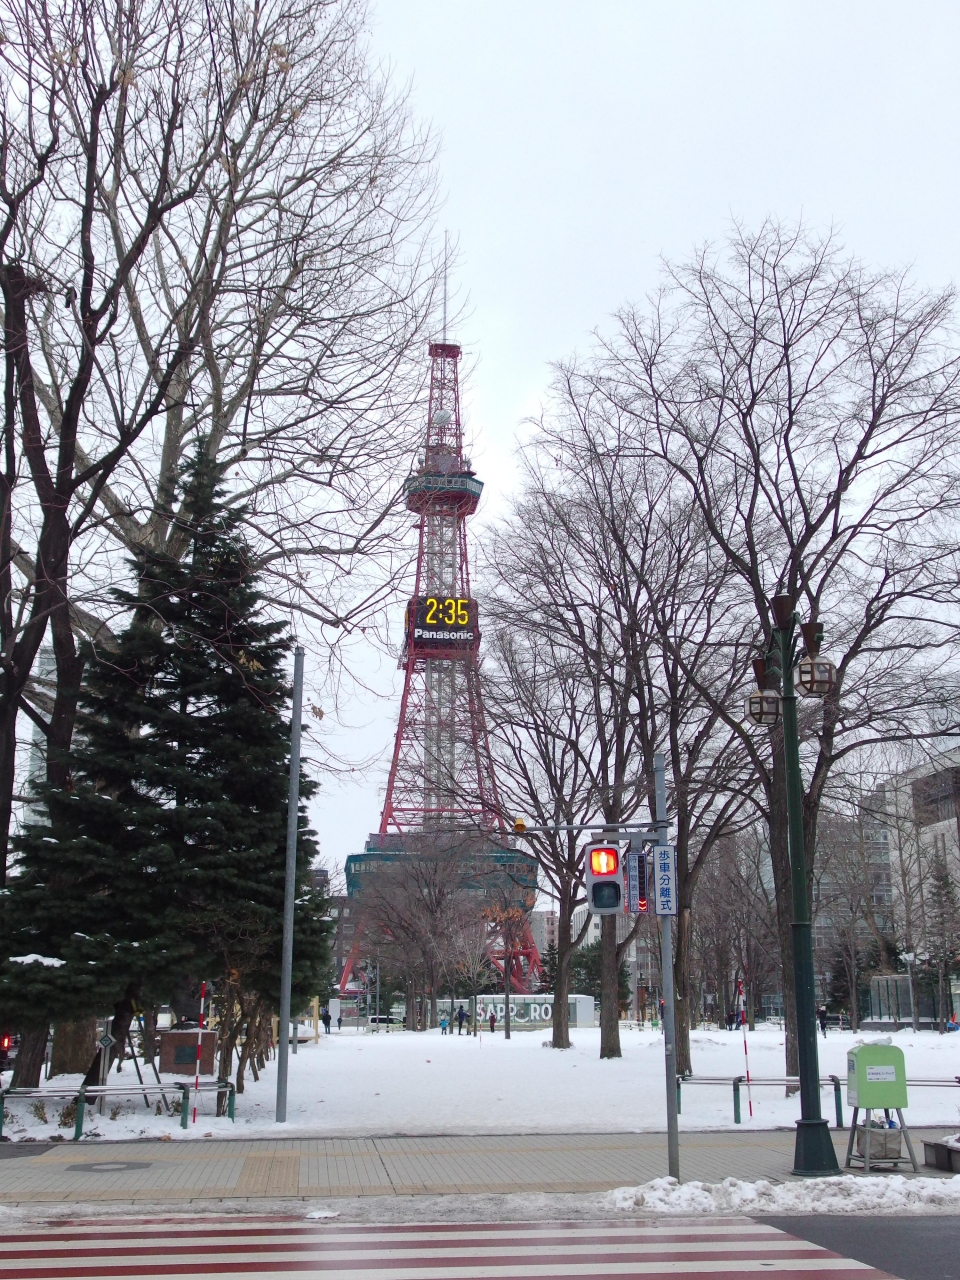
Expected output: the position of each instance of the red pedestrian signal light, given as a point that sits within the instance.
(603, 878)
(604, 861)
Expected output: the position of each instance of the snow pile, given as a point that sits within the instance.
(893, 1193)
(49, 962)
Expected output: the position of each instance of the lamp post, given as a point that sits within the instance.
(811, 676)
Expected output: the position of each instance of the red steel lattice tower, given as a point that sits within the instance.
(441, 775)
(441, 789)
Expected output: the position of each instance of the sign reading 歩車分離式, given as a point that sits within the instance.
(663, 860)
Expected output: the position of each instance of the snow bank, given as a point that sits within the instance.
(811, 1195)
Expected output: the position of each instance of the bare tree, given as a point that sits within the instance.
(810, 411)
(213, 237)
(620, 585)
(734, 924)
(539, 705)
(471, 954)
(412, 909)
(544, 588)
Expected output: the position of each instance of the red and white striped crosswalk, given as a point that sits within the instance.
(188, 1247)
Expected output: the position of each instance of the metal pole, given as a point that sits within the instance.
(104, 1073)
(813, 1153)
(507, 953)
(293, 815)
(910, 957)
(666, 966)
(196, 1087)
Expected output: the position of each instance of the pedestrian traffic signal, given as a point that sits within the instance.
(604, 879)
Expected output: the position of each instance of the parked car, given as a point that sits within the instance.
(382, 1018)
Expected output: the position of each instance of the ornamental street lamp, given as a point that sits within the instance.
(811, 676)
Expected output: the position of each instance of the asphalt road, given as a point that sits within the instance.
(915, 1248)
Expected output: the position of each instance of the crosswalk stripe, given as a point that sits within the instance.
(340, 1249)
(204, 1226)
(271, 1249)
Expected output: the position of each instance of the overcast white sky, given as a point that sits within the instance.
(582, 141)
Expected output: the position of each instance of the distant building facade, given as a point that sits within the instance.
(544, 926)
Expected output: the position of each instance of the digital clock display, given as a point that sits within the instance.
(434, 622)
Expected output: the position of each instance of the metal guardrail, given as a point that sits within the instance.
(737, 1081)
(221, 1086)
(86, 1093)
(783, 1081)
(93, 1092)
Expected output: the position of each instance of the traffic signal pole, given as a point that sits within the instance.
(657, 834)
(666, 968)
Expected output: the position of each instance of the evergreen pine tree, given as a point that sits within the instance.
(548, 973)
(585, 974)
(942, 929)
(164, 859)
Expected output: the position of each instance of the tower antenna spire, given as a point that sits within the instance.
(446, 260)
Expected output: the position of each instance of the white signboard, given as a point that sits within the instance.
(882, 1073)
(664, 859)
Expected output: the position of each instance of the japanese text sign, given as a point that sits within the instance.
(664, 859)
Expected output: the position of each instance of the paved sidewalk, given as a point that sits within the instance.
(311, 1168)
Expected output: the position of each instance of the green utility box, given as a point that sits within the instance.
(876, 1077)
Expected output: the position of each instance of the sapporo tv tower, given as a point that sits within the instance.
(441, 789)
(441, 776)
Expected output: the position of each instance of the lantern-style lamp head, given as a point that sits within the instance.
(762, 707)
(815, 677)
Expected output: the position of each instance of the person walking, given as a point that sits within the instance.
(461, 1019)
(822, 1019)
(339, 1021)
(325, 1019)
(493, 1021)
(443, 1025)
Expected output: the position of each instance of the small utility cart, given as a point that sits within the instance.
(877, 1081)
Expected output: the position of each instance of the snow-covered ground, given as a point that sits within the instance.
(407, 1083)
